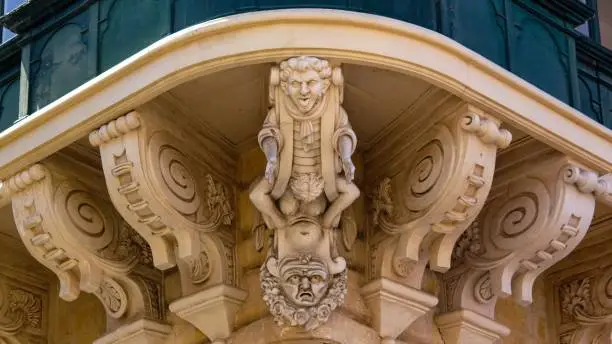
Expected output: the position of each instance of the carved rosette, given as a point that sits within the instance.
(447, 178)
(74, 232)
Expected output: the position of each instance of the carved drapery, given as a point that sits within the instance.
(72, 230)
(170, 194)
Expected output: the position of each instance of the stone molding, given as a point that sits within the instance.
(75, 232)
(465, 326)
(394, 307)
(211, 310)
(141, 331)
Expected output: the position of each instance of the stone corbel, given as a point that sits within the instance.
(71, 229)
(169, 194)
(449, 171)
(537, 215)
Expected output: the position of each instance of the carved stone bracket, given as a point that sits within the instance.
(72, 230)
(173, 198)
(537, 215)
(448, 176)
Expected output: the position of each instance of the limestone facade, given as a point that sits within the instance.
(444, 225)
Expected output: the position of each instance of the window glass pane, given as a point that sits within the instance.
(584, 29)
(6, 34)
(10, 5)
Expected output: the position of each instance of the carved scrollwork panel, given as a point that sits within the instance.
(77, 234)
(535, 220)
(168, 195)
(446, 181)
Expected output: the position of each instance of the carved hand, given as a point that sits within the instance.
(349, 169)
(271, 170)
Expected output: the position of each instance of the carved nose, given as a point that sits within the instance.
(305, 283)
(304, 89)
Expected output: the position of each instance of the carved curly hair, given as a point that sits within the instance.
(305, 63)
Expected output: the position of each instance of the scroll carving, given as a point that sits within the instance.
(74, 232)
(308, 183)
(168, 195)
(534, 221)
(447, 178)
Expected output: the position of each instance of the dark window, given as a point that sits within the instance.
(7, 6)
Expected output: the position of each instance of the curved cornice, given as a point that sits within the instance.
(269, 36)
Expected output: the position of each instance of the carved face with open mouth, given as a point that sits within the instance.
(304, 282)
(306, 89)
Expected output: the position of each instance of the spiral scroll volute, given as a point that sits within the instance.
(66, 228)
(169, 193)
(444, 186)
(538, 220)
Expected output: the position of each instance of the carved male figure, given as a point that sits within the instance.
(308, 182)
(308, 143)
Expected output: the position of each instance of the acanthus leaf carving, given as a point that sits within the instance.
(534, 220)
(586, 308)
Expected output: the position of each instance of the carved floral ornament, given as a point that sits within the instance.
(586, 309)
(21, 311)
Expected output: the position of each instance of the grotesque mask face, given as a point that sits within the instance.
(305, 283)
(305, 88)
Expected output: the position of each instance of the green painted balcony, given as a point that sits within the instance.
(61, 44)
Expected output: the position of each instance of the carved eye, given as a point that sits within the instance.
(295, 279)
(312, 83)
(316, 279)
(295, 84)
